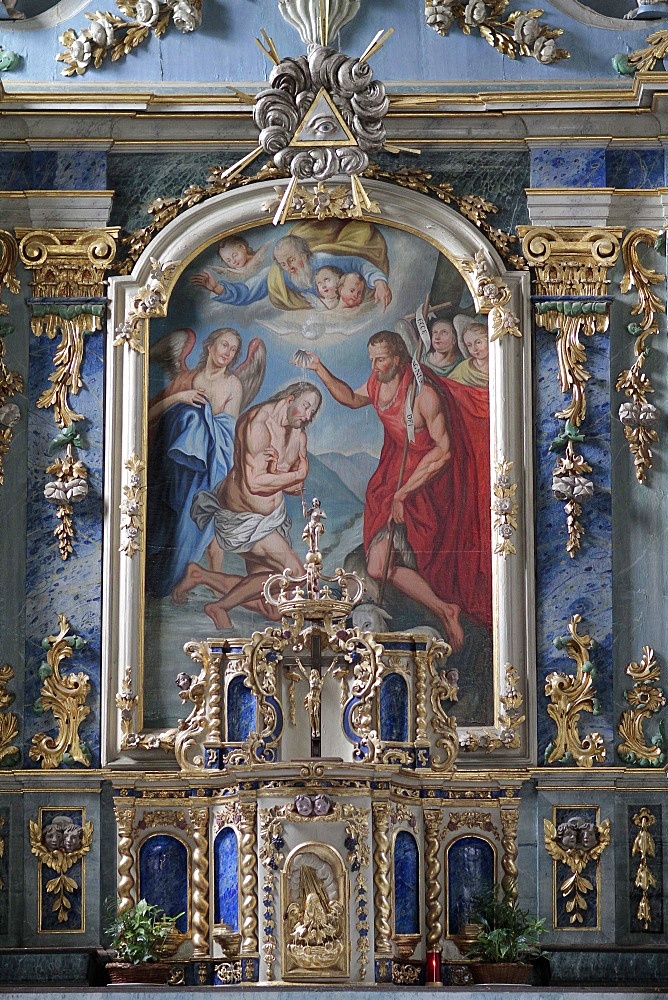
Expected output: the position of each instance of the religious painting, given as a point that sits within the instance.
(348, 360)
(291, 365)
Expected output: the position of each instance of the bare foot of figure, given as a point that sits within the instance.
(218, 614)
(191, 578)
(450, 617)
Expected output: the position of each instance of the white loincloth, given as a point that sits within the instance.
(238, 531)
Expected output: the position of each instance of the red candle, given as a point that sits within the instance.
(433, 969)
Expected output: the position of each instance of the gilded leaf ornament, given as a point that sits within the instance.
(61, 858)
(132, 506)
(575, 844)
(504, 508)
(645, 699)
(644, 846)
(645, 59)
(11, 383)
(64, 695)
(9, 253)
(150, 300)
(570, 695)
(506, 735)
(9, 721)
(638, 416)
(521, 33)
(109, 35)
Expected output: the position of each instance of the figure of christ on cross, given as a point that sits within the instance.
(248, 507)
(406, 514)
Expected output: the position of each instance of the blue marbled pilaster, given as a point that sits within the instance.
(14, 173)
(635, 168)
(577, 167)
(163, 876)
(54, 586)
(74, 170)
(406, 884)
(581, 585)
(226, 878)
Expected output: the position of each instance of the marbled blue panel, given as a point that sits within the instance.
(394, 709)
(577, 167)
(470, 867)
(583, 584)
(49, 917)
(406, 884)
(74, 170)
(14, 173)
(564, 917)
(655, 865)
(226, 878)
(54, 586)
(635, 168)
(241, 711)
(163, 876)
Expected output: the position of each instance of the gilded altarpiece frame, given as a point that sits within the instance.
(408, 223)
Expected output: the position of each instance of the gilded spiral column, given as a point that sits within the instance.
(382, 887)
(248, 868)
(509, 821)
(200, 882)
(434, 908)
(421, 698)
(126, 882)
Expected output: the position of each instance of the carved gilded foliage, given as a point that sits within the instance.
(11, 382)
(511, 716)
(645, 699)
(570, 695)
(9, 721)
(575, 843)
(59, 846)
(64, 695)
(644, 848)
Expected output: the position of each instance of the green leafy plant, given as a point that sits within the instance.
(139, 934)
(507, 934)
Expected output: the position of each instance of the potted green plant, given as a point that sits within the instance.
(139, 939)
(507, 942)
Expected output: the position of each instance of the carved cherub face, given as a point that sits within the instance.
(588, 836)
(303, 805)
(322, 804)
(567, 836)
(52, 837)
(72, 838)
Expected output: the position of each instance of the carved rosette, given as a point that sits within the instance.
(69, 299)
(504, 508)
(132, 506)
(644, 847)
(64, 695)
(638, 416)
(645, 698)
(571, 265)
(570, 695)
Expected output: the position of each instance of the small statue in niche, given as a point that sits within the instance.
(314, 528)
(313, 699)
(314, 922)
(9, 12)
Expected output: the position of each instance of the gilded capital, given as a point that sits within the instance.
(570, 260)
(68, 263)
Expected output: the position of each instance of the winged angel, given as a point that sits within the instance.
(191, 441)
(59, 846)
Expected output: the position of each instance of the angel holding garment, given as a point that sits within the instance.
(191, 439)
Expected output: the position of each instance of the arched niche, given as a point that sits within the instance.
(393, 709)
(164, 877)
(241, 709)
(407, 884)
(226, 878)
(420, 234)
(471, 873)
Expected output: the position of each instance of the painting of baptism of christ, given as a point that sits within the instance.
(282, 372)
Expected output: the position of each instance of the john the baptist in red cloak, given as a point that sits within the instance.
(424, 488)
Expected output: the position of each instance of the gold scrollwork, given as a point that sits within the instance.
(11, 383)
(60, 858)
(9, 252)
(504, 508)
(405, 975)
(65, 696)
(492, 297)
(645, 699)
(510, 818)
(571, 694)
(9, 722)
(150, 300)
(511, 717)
(471, 819)
(645, 880)
(132, 506)
(638, 415)
(574, 844)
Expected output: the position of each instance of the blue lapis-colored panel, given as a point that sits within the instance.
(406, 884)
(163, 876)
(394, 709)
(226, 878)
(575, 166)
(241, 711)
(470, 876)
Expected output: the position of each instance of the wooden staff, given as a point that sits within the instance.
(387, 565)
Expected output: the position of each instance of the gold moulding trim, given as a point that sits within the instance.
(60, 861)
(639, 415)
(645, 698)
(645, 879)
(64, 696)
(473, 207)
(575, 888)
(521, 34)
(570, 695)
(506, 735)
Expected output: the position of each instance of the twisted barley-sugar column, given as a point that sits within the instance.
(509, 821)
(126, 882)
(421, 698)
(382, 887)
(432, 822)
(248, 867)
(200, 882)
